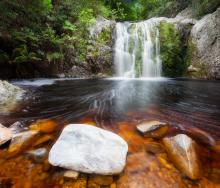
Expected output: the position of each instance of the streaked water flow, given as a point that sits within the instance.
(137, 49)
(180, 102)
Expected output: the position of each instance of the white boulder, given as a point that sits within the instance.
(89, 149)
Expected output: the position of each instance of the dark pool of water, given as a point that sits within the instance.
(183, 103)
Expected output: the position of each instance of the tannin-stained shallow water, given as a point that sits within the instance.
(189, 106)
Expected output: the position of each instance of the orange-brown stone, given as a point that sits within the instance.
(182, 151)
(144, 170)
(44, 126)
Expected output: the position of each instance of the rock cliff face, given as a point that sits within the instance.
(205, 39)
(9, 94)
(99, 58)
(200, 43)
(200, 46)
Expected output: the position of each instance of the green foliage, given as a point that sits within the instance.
(190, 50)
(174, 64)
(69, 26)
(57, 31)
(22, 55)
(86, 17)
(3, 57)
(143, 9)
(54, 56)
(49, 31)
(105, 37)
(202, 7)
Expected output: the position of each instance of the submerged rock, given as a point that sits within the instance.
(70, 174)
(5, 134)
(216, 147)
(21, 140)
(182, 151)
(89, 149)
(17, 127)
(153, 129)
(154, 148)
(44, 126)
(9, 95)
(44, 139)
(145, 171)
(38, 155)
(98, 180)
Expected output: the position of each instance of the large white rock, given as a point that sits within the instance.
(88, 149)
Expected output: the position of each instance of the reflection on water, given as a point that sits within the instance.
(180, 102)
(190, 107)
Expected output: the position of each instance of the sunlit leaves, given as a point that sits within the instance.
(86, 17)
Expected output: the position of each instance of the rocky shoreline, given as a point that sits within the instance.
(87, 156)
(9, 96)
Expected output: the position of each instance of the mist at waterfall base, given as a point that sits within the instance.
(185, 104)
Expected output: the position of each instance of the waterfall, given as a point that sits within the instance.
(137, 49)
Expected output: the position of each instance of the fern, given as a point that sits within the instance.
(53, 56)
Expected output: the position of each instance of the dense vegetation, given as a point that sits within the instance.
(46, 31)
(172, 51)
(143, 9)
(54, 34)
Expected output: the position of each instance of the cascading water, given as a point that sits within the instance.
(137, 49)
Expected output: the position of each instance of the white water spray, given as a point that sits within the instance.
(137, 49)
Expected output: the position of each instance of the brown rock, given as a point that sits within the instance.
(216, 147)
(145, 171)
(101, 180)
(214, 175)
(38, 155)
(181, 150)
(17, 127)
(81, 182)
(46, 166)
(153, 129)
(153, 147)
(43, 139)
(70, 174)
(5, 134)
(113, 185)
(44, 126)
(6, 182)
(22, 140)
(93, 185)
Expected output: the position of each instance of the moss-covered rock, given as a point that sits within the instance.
(99, 53)
(172, 51)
